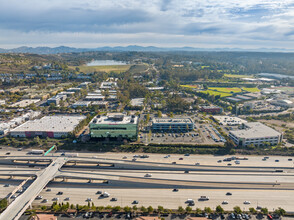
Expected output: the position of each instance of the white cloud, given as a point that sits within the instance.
(197, 23)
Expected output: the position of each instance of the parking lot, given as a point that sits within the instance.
(202, 134)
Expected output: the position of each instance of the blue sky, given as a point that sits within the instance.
(248, 24)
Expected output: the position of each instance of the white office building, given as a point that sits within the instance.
(255, 133)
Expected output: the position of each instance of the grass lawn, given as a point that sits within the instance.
(215, 93)
(237, 76)
(108, 69)
(190, 86)
(226, 90)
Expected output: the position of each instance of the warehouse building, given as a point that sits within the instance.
(49, 126)
(211, 109)
(255, 133)
(115, 126)
(172, 124)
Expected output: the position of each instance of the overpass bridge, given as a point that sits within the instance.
(23, 201)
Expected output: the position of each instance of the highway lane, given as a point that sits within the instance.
(22, 202)
(168, 199)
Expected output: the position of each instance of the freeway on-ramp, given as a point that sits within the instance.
(22, 202)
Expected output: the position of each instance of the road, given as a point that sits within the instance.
(22, 202)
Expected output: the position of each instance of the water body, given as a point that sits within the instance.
(105, 63)
(275, 75)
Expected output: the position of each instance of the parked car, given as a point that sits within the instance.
(247, 202)
(228, 194)
(175, 190)
(225, 202)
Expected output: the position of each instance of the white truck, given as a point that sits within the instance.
(36, 152)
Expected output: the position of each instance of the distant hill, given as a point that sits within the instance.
(64, 49)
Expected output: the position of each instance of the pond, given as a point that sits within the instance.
(106, 63)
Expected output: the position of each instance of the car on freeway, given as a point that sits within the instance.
(290, 159)
(174, 162)
(175, 190)
(219, 161)
(135, 202)
(181, 158)
(225, 202)
(148, 175)
(277, 161)
(229, 164)
(8, 153)
(247, 202)
(203, 198)
(6, 185)
(113, 199)
(197, 164)
(228, 194)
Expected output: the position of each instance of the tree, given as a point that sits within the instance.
(188, 209)
(159, 114)
(264, 211)
(160, 209)
(237, 210)
(150, 209)
(280, 212)
(219, 209)
(116, 208)
(252, 210)
(143, 209)
(3, 203)
(207, 210)
(198, 211)
(180, 209)
(127, 209)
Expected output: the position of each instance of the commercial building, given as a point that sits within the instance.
(94, 98)
(118, 126)
(81, 104)
(56, 99)
(100, 104)
(211, 109)
(49, 126)
(228, 120)
(172, 124)
(255, 133)
(25, 103)
(108, 85)
(284, 103)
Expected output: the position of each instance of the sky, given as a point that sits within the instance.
(246, 24)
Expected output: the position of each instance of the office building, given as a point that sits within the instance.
(118, 126)
(255, 133)
(172, 124)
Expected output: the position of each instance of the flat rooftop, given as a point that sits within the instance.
(113, 119)
(171, 120)
(255, 130)
(227, 120)
(60, 123)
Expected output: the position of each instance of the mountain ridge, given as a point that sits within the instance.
(65, 49)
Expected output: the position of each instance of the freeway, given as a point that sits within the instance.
(22, 202)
